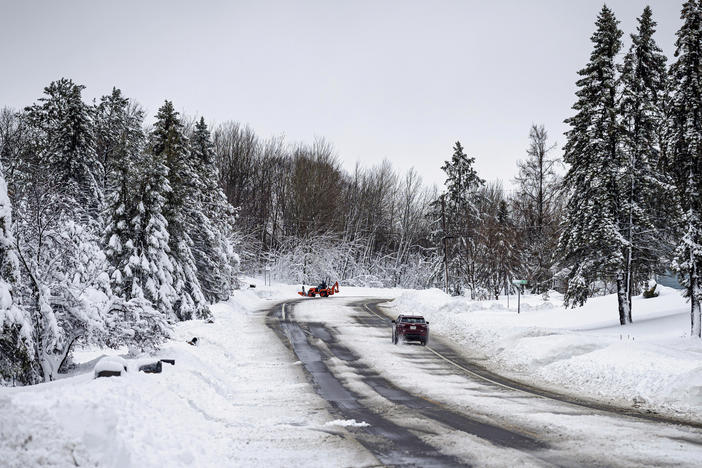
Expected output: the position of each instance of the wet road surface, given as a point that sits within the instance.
(401, 423)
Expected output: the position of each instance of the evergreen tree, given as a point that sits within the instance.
(643, 186)
(461, 213)
(137, 237)
(67, 145)
(167, 141)
(118, 136)
(212, 221)
(591, 245)
(120, 144)
(150, 269)
(685, 149)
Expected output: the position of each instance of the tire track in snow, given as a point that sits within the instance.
(390, 442)
(475, 370)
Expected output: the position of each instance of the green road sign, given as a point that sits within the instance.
(519, 281)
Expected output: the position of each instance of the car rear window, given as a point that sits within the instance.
(412, 320)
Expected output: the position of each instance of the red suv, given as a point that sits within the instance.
(410, 328)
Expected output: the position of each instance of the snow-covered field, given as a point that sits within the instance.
(652, 363)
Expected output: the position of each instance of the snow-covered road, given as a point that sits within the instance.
(420, 407)
(239, 398)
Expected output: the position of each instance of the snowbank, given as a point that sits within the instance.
(237, 399)
(652, 363)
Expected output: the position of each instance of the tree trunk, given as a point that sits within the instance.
(622, 296)
(630, 247)
(50, 363)
(695, 322)
(630, 289)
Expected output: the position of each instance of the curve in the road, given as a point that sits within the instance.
(399, 420)
(391, 443)
(446, 353)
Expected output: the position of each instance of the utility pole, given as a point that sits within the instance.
(444, 240)
(519, 299)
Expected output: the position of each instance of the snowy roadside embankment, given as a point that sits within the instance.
(237, 398)
(652, 363)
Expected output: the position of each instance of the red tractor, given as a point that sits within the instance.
(323, 290)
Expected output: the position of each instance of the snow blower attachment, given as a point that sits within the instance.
(323, 290)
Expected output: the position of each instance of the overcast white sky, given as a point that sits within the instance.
(401, 80)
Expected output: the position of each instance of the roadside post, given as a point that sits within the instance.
(519, 284)
(267, 276)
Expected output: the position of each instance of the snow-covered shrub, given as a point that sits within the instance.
(136, 324)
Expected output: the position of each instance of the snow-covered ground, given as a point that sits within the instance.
(575, 435)
(237, 399)
(652, 363)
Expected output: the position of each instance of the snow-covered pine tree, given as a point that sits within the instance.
(16, 359)
(212, 219)
(135, 237)
(67, 146)
(461, 212)
(121, 141)
(150, 268)
(168, 142)
(591, 246)
(644, 188)
(142, 309)
(118, 133)
(685, 152)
